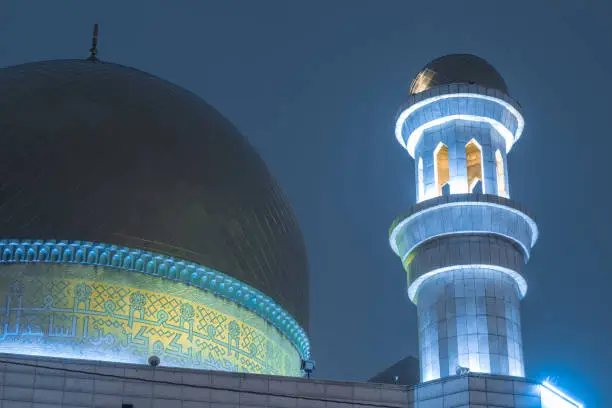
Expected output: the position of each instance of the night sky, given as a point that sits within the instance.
(315, 86)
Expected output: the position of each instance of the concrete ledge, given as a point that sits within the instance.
(462, 214)
(89, 384)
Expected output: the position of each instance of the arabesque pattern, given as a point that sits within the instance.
(145, 262)
(99, 313)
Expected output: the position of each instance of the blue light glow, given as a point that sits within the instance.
(552, 397)
(413, 289)
(400, 227)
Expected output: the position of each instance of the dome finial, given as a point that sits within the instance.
(458, 69)
(93, 51)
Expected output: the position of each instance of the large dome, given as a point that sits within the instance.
(458, 69)
(101, 152)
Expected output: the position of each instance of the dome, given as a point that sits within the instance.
(101, 152)
(458, 68)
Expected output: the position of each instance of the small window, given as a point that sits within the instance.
(441, 167)
(473, 155)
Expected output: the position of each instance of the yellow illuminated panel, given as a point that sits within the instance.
(100, 313)
(473, 154)
(442, 173)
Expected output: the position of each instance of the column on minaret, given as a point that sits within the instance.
(465, 243)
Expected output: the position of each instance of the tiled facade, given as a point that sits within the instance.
(464, 244)
(470, 318)
(464, 256)
(30, 382)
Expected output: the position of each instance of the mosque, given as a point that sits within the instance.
(148, 258)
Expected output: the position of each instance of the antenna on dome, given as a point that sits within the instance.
(94, 45)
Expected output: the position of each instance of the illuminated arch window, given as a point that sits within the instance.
(442, 175)
(501, 177)
(421, 179)
(473, 155)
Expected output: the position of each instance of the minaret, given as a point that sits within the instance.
(464, 244)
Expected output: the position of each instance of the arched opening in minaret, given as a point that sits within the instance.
(473, 155)
(501, 176)
(442, 175)
(421, 180)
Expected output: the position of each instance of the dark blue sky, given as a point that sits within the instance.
(315, 86)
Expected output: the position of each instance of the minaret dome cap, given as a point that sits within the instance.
(458, 69)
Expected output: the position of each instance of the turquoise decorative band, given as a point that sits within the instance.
(134, 260)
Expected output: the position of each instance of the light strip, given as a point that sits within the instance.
(416, 134)
(532, 224)
(414, 287)
(562, 394)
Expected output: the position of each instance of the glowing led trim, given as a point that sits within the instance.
(414, 287)
(399, 226)
(417, 133)
(436, 151)
(96, 254)
(560, 393)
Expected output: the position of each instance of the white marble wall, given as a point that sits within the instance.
(470, 318)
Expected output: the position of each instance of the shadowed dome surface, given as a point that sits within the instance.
(101, 152)
(458, 68)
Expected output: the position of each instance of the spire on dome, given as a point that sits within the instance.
(93, 51)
